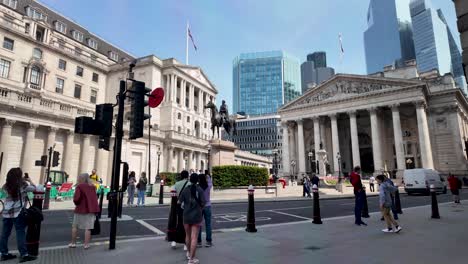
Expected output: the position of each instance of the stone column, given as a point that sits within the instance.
(285, 159)
(174, 88)
(301, 147)
(101, 164)
(335, 142)
(84, 159)
(400, 155)
(169, 155)
(50, 143)
(317, 139)
(68, 153)
(28, 160)
(183, 93)
(424, 139)
(292, 146)
(167, 90)
(376, 148)
(190, 160)
(354, 139)
(200, 101)
(198, 161)
(191, 97)
(180, 160)
(4, 144)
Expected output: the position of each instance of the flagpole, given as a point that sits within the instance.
(186, 44)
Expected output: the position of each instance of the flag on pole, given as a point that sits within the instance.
(191, 38)
(341, 44)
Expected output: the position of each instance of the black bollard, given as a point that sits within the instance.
(251, 212)
(172, 223)
(365, 207)
(398, 203)
(435, 206)
(161, 192)
(47, 196)
(317, 219)
(33, 234)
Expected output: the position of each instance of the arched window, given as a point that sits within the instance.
(37, 53)
(179, 116)
(36, 75)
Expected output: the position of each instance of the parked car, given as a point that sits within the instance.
(420, 180)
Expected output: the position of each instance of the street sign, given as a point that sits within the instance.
(156, 97)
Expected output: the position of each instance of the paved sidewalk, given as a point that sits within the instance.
(338, 240)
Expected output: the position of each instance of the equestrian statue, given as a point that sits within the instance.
(221, 119)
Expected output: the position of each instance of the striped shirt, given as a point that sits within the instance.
(12, 207)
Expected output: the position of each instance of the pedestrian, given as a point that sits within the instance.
(385, 203)
(454, 187)
(180, 230)
(315, 180)
(192, 199)
(392, 195)
(16, 188)
(95, 179)
(307, 185)
(303, 187)
(355, 179)
(141, 188)
(131, 188)
(86, 208)
(206, 184)
(371, 183)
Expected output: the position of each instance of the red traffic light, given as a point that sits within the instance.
(156, 97)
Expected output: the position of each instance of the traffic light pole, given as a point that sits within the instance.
(113, 195)
(48, 165)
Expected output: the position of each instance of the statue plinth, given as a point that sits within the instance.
(222, 152)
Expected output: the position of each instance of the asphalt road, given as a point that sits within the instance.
(139, 222)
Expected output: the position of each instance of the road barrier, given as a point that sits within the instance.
(161, 192)
(317, 219)
(434, 205)
(251, 211)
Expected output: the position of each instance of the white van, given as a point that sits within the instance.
(419, 181)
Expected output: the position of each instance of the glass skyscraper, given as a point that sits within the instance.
(388, 39)
(264, 81)
(314, 71)
(434, 43)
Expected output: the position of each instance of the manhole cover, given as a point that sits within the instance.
(312, 248)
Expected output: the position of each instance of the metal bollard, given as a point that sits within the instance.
(434, 205)
(161, 192)
(172, 223)
(365, 207)
(317, 219)
(398, 203)
(33, 234)
(251, 211)
(101, 198)
(47, 196)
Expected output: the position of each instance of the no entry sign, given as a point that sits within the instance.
(156, 97)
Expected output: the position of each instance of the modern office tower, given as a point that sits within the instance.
(315, 71)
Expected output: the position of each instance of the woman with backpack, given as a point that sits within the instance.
(192, 200)
(385, 201)
(206, 184)
(16, 189)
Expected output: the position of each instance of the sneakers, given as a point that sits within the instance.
(209, 244)
(398, 229)
(199, 245)
(173, 244)
(188, 255)
(360, 223)
(193, 261)
(27, 258)
(7, 257)
(185, 248)
(387, 230)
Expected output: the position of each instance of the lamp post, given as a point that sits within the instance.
(311, 155)
(275, 164)
(209, 158)
(293, 164)
(161, 185)
(338, 158)
(159, 156)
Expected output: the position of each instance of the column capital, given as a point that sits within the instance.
(395, 106)
(333, 116)
(300, 121)
(52, 129)
(352, 113)
(284, 123)
(9, 123)
(315, 118)
(373, 109)
(420, 104)
(32, 126)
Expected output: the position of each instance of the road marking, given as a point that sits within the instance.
(124, 218)
(348, 204)
(154, 219)
(150, 227)
(296, 216)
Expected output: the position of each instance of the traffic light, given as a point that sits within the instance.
(103, 123)
(85, 125)
(137, 110)
(42, 162)
(125, 176)
(55, 158)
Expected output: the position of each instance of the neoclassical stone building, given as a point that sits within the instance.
(395, 119)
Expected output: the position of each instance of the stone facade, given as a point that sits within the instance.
(461, 7)
(391, 121)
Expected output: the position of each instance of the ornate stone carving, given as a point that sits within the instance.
(32, 126)
(420, 104)
(9, 123)
(395, 107)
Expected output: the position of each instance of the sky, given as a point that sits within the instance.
(222, 29)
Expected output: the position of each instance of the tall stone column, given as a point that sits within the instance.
(101, 166)
(424, 139)
(168, 95)
(190, 160)
(335, 142)
(27, 162)
(400, 155)
(4, 144)
(354, 139)
(169, 156)
(198, 161)
(50, 143)
(376, 148)
(293, 146)
(174, 88)
(317, 139)
(183, 93)
(68, 153)
(191, 97)
(180, 160)
(301, 147)
(200, 101)
(285, 159)
(84, 155)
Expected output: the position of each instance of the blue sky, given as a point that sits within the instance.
(225, 28)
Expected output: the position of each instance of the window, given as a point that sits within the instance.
(36, 75)
(11, 3)
(188, 118)
(60, 27)
(93, 96)
(37, 53)
(113, 56)
(79, 71)
(40, 33)
(92, 43)
(4, 68)
(36, 14)
(95, 77)
(78, 35)
(59, 86)
(8, 43)
(77, 93)
(179, 116)
(62, 64)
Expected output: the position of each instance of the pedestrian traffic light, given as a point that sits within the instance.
(137, 110)
(125, 176)
(103, 124)
(84, 125)
(42, 162)
(55, 158)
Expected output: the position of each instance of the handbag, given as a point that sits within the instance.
(97, 227)
(32, 214)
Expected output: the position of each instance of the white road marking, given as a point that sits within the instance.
(292, 215)
(348, 204)
(150, 227)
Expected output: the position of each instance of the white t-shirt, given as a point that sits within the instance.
(371, 179)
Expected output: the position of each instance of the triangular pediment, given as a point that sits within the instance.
(198, 75)
(342, 87)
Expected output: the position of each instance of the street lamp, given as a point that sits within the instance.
(311, 157)
(209, 158)
(293, 164)
(161, 185)
(338, 158)
(159, 156)
(275, 164)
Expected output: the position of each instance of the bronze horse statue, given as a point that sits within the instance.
(218, 121)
